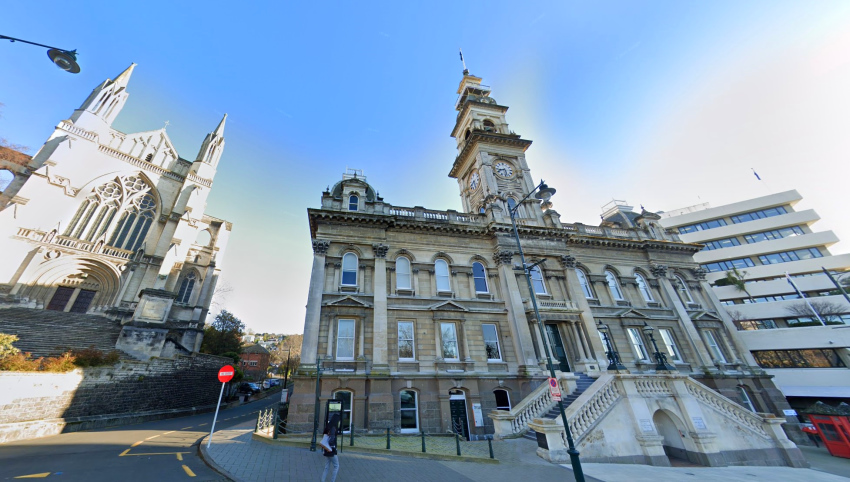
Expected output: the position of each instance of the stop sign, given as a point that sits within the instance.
(225, 374)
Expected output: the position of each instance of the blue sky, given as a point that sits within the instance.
(661, 103)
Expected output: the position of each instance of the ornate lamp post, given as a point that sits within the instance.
(64, 59)
(545, 192)
(661, 358)
(613, 356)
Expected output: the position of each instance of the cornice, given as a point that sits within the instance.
(477, 136)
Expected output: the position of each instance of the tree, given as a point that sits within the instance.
(223, 335)
(829, 311)
(288, 349)
(735, 278)
(17, 154)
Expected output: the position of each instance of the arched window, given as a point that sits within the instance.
(614, 286)
(349, 269)
(643, 287)
(346, 397)
(503, 399)
(353, 202)
(402, 273)
(131, 197)
(479, 275)
(684, 292)
(489, 126)
(537, 281)
(409, 411)
(186, 288)
(585, 285)
(6, 178)
(441, 270)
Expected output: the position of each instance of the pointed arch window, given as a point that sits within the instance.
(402, 273)
(129, 200)
(614, 286)
(537, 281)
(186, 288)
(349, 269)
(643, 287)
(353, 202)
(585, 284)
(441, 272)
(479, 275)
(684, 292)
(489, 126)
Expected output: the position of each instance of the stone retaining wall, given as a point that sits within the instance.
(38, 404)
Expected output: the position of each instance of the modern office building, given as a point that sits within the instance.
(750, 246)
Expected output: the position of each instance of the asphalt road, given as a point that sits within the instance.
(163, 450)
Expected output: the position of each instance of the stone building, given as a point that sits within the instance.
(422, 322)
(104, 222)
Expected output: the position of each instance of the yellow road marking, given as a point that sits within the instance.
(137, 443)
(123, 453)
(201, 425)
(185, 428)
(35, 476)
(188, 471)
(166, 433)
(156, 453)
(179, 456)
(149, 438)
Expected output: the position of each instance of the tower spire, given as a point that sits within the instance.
(465, 70)
(124, 77)
(104, 103)
(219, 131)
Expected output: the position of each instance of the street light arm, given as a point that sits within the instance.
(513, 211)
(12, 39)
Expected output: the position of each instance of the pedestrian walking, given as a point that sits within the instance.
(329, 448)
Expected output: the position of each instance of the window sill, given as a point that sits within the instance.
(405, 292)
(484, 296)
(447, 294)
(349, 289)
(593, 302)
(545, 296)
(653, 304)
(623, 303)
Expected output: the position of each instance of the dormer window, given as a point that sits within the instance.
(489, 126)
(353, 202)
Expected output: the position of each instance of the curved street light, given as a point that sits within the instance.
(64, 59)
(545, 192)
(661, 358)
(613, 356)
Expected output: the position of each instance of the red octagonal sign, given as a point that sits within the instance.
(225, 374)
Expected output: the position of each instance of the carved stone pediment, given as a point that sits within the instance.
(705, 316)
(348, 301)
(447, 306)
(632, 313)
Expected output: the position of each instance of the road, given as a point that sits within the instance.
(162, 450)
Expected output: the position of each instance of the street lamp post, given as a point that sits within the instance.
(545, 193)
(613, 356)
(661, 358)
(318, 394)
(286, 370)
(64, 59)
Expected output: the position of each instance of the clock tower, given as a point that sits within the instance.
(490, 167)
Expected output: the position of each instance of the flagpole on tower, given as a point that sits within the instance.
(465, 70)
(760, 179)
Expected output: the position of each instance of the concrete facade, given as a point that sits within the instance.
(101, 221)
(764, 238)
(424, 321)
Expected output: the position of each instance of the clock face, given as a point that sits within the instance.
(474, 181)
(504, 169)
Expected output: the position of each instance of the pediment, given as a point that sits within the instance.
(632, 313)
(158, 138)
(447, 306)
(348, 301)
(705, 316)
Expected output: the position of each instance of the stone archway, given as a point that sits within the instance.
(75, 273)
(671, 428)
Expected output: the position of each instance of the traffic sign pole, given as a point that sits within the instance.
(225, 374)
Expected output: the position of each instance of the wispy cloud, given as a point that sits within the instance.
(624, 52)
(373, 130)
(539, 17)
(383, 34)
(284, 113)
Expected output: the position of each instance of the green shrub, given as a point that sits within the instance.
(6, 347)
(92, 357)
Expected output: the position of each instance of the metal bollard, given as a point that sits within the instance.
(341, 442)
(423, 442)
(457, 442)
(490, 446)
(351, 441)
(388, 438)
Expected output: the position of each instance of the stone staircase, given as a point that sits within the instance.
(49, 333)
(582, 384)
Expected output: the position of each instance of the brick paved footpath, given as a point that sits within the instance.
(236, 455)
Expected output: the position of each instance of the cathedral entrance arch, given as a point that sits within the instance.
(671, 428)
(71, 283)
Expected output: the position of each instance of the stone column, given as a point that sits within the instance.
(579, 341)
(518, 322)
(438, 340)
(660, 272)
(379, 321)
(463, 333)
(329, 355)
(310, 345)
(568, 262)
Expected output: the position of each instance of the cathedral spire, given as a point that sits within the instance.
(104, 103)
(219, 131)
(207, 161)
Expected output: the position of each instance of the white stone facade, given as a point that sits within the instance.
(98, 216)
